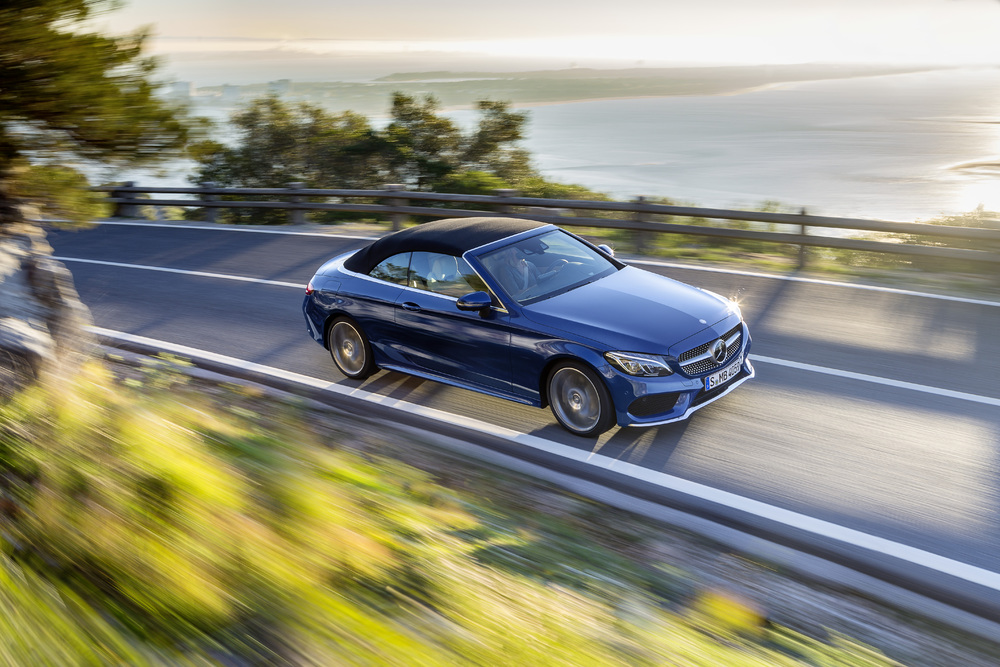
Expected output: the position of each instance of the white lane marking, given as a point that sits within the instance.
(816, 281)
(252, 230)
(942, 564)
(874, 379)
(927, 389)
(647, 262)
(164, 269)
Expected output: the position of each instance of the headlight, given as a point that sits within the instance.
(640, 365)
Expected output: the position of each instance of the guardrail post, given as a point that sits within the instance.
(803, 230)
(296, 216)
(505, 192)
(211, 213)
(126, 209)
(397, 219)
(642, 238)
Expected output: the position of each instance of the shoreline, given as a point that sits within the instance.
(729, 93)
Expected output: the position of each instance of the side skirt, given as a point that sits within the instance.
(461, 385)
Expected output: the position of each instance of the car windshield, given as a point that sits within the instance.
(543, 266)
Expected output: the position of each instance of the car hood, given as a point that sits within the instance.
(632, 310)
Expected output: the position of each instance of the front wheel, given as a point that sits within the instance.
(350, 349)
(579, 400)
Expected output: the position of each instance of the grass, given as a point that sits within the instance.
(147, 521)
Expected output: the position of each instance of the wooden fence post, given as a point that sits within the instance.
(397, 219)
(211, 212)
(803, 230)
(642, 237)
(296, 216)
(126, 209)
(505, 192)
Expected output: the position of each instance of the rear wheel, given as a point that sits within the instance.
(350, 349)
(579, 400)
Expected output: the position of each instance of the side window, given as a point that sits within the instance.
(393, 269)
(444, 274)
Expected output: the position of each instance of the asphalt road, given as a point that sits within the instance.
(917, 466)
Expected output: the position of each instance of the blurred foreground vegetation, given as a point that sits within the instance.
(146, 522)
(72, 97)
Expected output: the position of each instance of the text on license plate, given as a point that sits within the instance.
(725, 375)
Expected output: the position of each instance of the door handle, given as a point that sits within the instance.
(409, 305)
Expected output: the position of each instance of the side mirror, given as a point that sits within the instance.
(606, 249)
(480, 301)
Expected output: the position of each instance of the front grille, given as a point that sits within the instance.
(652, 404)
(697, 366)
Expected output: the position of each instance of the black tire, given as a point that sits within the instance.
(579, 399)
(350, 349)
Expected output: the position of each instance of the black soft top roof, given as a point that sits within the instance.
(452, 236)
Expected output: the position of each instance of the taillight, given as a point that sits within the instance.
(309, 288)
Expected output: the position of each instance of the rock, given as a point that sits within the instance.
(42, 320)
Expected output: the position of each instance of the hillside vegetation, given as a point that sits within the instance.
(146, 521)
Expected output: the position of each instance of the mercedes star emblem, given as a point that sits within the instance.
(718, 351)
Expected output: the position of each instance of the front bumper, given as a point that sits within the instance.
(682, 403)
(656, 401)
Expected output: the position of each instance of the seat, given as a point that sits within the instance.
(443, 269)
(445, 278)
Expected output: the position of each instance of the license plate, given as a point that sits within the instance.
(720, 378)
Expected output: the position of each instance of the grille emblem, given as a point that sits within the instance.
(718, 351)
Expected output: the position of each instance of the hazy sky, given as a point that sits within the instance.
(655, 31)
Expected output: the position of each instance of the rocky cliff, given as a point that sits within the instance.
(41, 317)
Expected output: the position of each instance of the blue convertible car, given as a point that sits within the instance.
(529, 312)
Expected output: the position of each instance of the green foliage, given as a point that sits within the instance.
(493, 146)
(80, 92)
(68, 94)
(421, 146)
(279, 143)
(536, 186)
(978, 217)
(46, 623)
(471, 183)
(59, 192)
(158, 527)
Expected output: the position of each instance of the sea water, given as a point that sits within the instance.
(897, 147)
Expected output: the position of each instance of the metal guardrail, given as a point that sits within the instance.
(398, 204)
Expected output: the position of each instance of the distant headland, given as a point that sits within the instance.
(460, 89)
